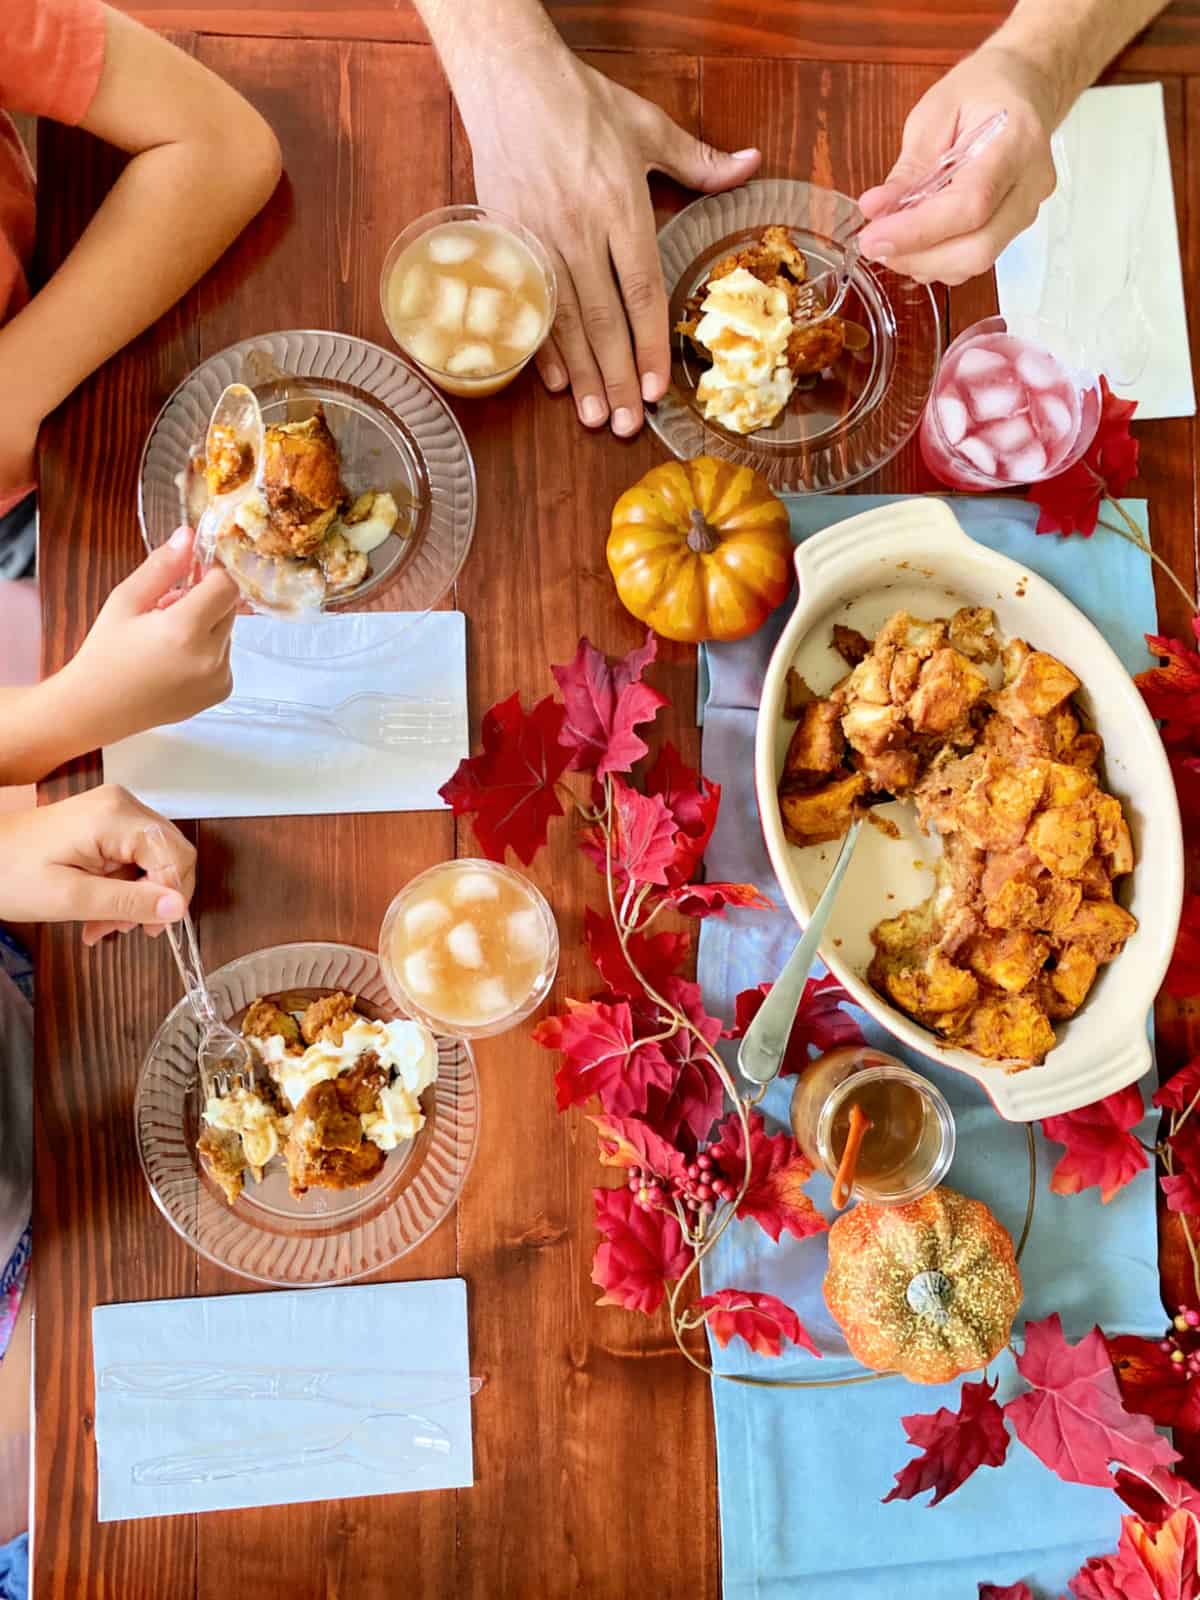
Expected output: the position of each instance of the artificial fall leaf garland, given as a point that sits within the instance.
(644, 1048)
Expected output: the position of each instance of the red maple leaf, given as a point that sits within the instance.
(1181, 1087)
(685, 1115)
(630, 1142)
(714, 899)
(601, 1057)
(1010, 1591)
(1172, 692)
(775, 1196)
(820, 1020)
(604, 705)
(696, 1098)
(643, 846)
(509, 788)
(1101, 1152)
(1185, 769)
(954, 1444)
(1070, 502)
(1183, 975)
(1150, 1382)
(1149, 1563)
(657, 956)
(692, 801)
(1154, 1495)
(1182, 1190)
(760, 1319)
(1072, 1417)
(643, 1250)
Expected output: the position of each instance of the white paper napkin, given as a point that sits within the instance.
(211, 767)
(1114, 206)
(173, 1434)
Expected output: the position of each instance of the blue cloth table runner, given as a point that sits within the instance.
(801, 1473)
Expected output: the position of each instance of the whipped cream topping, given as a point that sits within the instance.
(745, 326)
(405, 1048)
(243, 1112)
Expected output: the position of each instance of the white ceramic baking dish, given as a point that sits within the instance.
(916, 556)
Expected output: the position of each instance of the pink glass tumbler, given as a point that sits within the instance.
(1014, 402)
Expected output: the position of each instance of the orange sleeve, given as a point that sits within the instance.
(51, 57)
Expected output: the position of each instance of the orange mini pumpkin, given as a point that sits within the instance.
(700, 550)
(928, 1289)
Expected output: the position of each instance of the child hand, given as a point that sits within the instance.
(155, 653)
(81, 860)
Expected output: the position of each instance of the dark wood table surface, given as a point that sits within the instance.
(594, 1452)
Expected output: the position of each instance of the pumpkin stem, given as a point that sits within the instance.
(701, 537)
(928, 1294)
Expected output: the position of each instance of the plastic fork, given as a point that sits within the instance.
(385, 1443)
(811, 303)
(380, 721)
(223, 1056)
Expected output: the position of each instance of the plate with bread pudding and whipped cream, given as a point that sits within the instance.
(760, 374)
(344, 1145)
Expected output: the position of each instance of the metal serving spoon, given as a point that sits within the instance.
(766, 1039)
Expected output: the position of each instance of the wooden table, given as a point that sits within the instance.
(595, 1464)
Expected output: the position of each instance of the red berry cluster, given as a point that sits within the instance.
(697, 1192)
(1185, 1325)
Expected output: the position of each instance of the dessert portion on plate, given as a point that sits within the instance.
(744, 321)
(300, 514)
(984, 739)
(335, 1092)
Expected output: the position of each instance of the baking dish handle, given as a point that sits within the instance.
(842, 553)
(1024, 1097)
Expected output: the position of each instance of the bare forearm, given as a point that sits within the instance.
(159, 228)
(202, 162)
(1072, 41)
(469, 39)
(40, 729)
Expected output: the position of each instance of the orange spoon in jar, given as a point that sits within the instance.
(843, 1183)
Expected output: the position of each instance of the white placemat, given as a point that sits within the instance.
(1112, 214)
(212, 767)
(271, 1399)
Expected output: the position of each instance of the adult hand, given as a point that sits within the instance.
(960, 232)
(566, 151)
(156, 653)
(83, 860)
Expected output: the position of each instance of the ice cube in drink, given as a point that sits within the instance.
(1009, 406)
(449, 248)
(483, 283)
(469, 948)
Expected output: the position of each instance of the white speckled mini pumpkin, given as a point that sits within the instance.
(928, 1289)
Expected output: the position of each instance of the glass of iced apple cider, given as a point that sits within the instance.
(469, 295)
(470, 948)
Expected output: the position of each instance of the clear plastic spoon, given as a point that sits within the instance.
(236, 423)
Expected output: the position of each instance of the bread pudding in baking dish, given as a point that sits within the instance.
(984, 739)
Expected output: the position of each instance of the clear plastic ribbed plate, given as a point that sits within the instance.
(394, 431)
(850, 422)
(327, 1236)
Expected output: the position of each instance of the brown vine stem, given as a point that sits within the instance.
(1133, 535)
(1168, 1159)
(700, 1248)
